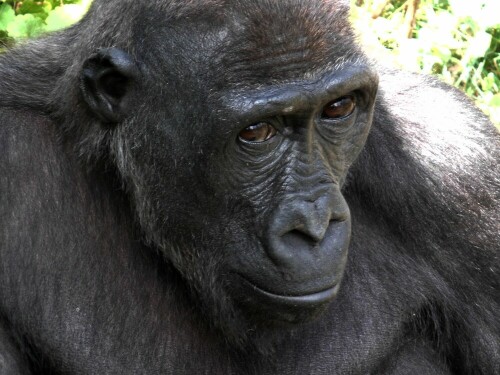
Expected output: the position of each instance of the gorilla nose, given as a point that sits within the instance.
(310, 222)
(304, 230)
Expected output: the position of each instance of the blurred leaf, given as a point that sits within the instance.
(478, 45)
(459, 40)
(491, 82)
(25, 25)
(7, 15)
(31, 7)
(495, 101)
(47, 6)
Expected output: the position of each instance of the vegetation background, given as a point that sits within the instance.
(458, 40)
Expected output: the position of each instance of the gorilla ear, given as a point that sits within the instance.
(107, 80)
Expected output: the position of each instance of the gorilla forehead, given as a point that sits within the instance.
(282, 8)
(230, 42)
(261, 40)
(282, 40)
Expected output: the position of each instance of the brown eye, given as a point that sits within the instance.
(339, 108)
(258, 132)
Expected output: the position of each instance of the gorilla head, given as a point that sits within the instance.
(233, 136)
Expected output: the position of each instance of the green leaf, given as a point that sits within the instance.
(7, 15)
(495, 101)
(31, 7)
(24, 26)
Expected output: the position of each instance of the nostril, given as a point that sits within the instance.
(298, 239)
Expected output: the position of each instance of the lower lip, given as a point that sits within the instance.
(305, 301)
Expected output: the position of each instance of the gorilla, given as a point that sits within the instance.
(192, 187)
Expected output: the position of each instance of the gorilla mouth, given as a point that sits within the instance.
(305, 300)
(315, 298)
(269, 307)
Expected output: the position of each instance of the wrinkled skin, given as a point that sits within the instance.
(215, 187)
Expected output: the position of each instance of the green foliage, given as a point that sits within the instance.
(30, 18)
(459, 40)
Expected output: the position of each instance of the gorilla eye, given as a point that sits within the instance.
(257, 133)
(339, 108)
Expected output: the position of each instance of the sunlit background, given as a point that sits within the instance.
(458, 40)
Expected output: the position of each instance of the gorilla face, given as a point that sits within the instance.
(235, 161)
(284, 165)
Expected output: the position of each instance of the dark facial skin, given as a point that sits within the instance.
(289, 182)
(269, 177)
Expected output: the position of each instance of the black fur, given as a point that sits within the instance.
(110, 236)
